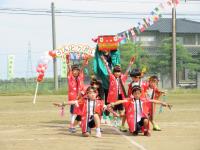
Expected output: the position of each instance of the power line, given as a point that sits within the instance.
(70, 11)
(92, 16)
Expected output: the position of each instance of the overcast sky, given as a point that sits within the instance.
(17, 30)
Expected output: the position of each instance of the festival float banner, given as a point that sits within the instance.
(107, 42)
(76, 51)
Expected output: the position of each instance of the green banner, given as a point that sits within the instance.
(63, 68)
(10, 66)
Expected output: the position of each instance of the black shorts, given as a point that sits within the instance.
(119, 107)
(140, 124)
(72, 108)
(78, 118)
(91, 123)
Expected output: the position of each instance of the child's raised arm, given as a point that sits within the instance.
(85, 63)
(67, 62)
(106, 64)
(130, 64)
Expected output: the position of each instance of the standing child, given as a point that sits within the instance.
(152, 92)
(136, 80)
(75, 77)
(116, 88)
(137, 111)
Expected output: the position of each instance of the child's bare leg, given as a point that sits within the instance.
(155, 126)
(97, 120)
(72, 120)
(76, 123)
(123, 118)
(146, 126)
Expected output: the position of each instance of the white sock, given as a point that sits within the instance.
(72, 119)
(98, 130)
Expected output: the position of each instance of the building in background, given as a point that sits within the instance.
(187, 33)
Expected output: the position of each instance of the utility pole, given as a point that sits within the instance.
(174, 45)
(54, 47)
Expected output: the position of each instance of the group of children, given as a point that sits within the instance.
(136, 107)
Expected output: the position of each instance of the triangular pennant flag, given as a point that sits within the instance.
(127, 35)
(145, 22)
(141, 27)
(161, 6)
(150, 19)
(132, 33)
(169, 3)
(153, 13)
(136, 30)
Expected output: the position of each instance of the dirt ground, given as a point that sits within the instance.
(25, 126)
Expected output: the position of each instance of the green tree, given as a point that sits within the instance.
(133, 49)
(163, 61)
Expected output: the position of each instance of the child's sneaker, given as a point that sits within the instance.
(98, 134)
(147, 133)
(123, 129)
(135, 133)
(156, 128)
(72, 130)
(86, 134)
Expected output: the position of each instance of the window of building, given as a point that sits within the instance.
(189, 40)
(147, 39)
(179, 39)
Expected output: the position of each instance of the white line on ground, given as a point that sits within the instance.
(130, 140)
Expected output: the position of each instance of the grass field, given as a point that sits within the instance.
(24, 126)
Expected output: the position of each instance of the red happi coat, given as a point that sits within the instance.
(73, 87)
(112, 93)
(156, 95)
(84, 111)
(130, 112)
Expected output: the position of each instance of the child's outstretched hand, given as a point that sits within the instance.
(167, 105)
(57, 104)
(163, 92)
(132, 60)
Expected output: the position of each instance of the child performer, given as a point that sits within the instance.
(116, 88)
(98, 85)
(136, 111)
(152, 92)
(91, 109)
(75, 77)
(136, 80)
